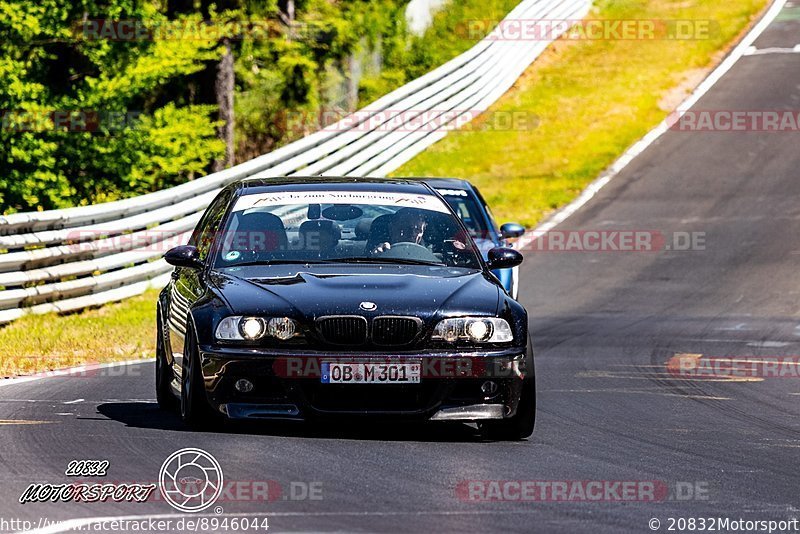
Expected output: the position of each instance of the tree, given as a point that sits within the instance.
(87, 117)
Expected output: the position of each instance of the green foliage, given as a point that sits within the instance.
(373, 87)
(90, 116)
(87, 119)
(447, 37)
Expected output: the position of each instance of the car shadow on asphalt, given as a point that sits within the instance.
(149, 415)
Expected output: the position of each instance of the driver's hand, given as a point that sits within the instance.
(383, 247)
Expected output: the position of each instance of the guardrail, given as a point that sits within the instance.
(69, 259)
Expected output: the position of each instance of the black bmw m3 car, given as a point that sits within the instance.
(304, 298)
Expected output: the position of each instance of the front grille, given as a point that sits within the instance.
(394, 330)
(370, 398)
(344, 330)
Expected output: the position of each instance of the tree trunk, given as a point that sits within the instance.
(224, 89)
(287, 10)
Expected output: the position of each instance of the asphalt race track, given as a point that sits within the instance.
(605, 326)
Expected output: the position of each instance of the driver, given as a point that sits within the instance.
(408, 226)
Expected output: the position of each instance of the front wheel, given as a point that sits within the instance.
(195, 409)
(520, 426)
(164, 396)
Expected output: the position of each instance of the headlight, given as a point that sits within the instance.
(474, 329)
(238, 328)
(228, 329)
(252, 328)
(281, 328)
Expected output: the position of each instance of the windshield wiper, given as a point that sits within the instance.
(398, 261)
(373, 261)
(274, 262)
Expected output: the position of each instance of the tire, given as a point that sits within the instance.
(520, 426)
(196, 412)
(164, 396)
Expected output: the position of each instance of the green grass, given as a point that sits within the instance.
(116, 332)
(593, 99)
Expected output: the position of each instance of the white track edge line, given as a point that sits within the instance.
(645, 142)
(70, 371)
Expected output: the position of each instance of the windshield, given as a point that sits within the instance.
(343, 227)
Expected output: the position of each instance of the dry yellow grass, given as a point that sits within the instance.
(116, 332)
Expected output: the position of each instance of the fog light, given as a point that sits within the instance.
(489, 388)
(243, 385)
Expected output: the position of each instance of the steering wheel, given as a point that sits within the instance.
(410, 251)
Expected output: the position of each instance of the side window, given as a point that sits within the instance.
(492, 220)
(204, 234)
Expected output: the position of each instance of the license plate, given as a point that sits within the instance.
(370, 373)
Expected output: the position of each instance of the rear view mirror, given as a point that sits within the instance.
(184, 256)
(504, 258)
(511, 230)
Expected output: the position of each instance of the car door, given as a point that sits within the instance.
(188, 285)
(508, 277)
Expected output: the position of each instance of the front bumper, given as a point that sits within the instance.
(288, 385)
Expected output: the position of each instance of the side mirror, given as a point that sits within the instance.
(510, 230)
(503, 258)
(184, 256)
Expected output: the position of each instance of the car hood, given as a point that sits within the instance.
(339, 290)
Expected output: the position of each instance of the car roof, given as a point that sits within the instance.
(448, 183)
(250, 186)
